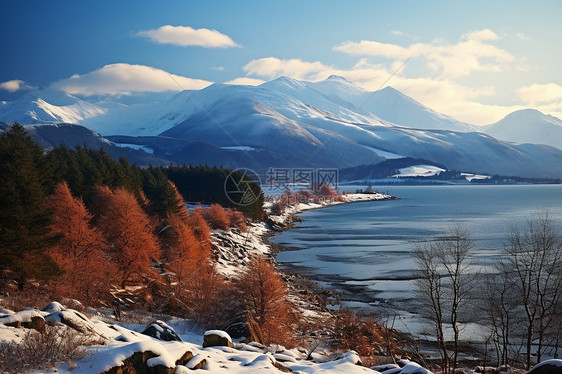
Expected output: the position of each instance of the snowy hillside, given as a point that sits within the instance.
(51, 106)
(528, 126)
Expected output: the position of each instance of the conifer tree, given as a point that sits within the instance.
(24, 224)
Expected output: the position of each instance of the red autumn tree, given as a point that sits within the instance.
(128, 232)
(264, 296)
(217, 217)
(237, 220)
(326, 190)
(199, 225)
(86, 268)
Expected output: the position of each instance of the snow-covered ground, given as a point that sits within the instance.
(117, 342)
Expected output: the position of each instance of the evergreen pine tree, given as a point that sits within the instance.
(24, 224)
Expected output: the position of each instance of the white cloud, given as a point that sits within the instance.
(485, 34)
(540, 94)
(272, 67)
(245, 81)
(522, 36)
(15, 85)
(124, 79)
(218, 68)
(185, 36)
(471, 53)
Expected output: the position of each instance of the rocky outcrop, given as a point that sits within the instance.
(138, 364)
(547, 367)
(217, 338)
(161, 331)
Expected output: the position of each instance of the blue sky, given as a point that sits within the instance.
(476, 61)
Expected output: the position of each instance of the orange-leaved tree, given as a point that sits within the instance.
(265, 299)
(80, 254)
(127, 229)
(217, 217)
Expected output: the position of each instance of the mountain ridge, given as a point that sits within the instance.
(331, 123)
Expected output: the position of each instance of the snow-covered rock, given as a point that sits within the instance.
(553, 366)
(162, 331)
(213, 338)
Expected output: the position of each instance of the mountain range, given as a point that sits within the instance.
(292, 123)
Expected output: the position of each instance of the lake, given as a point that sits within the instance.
(364, 249)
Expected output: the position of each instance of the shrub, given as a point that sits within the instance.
(217, 217)
(278, 208)
(237, 220)
(42, 350)
(355, 332)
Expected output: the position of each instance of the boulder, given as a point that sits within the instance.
(37, 323)
(547, 367)
(383, 368)
(197, 362)
(185, 358)
(73, 319)
(25, 319)
(53, 307)
(214, 338)
(241, 332)
(161, 331)
(138, 364)
(352, 357)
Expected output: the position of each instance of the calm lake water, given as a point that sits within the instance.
(364, 249)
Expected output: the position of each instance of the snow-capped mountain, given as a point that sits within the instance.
(48, 105)
(291, 123)
(528, 126)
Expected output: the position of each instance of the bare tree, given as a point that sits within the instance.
(533, 259)
(500, 306)
(444, 280)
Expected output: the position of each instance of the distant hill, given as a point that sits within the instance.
(528, 126)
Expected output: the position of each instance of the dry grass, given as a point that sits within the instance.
(42, 350)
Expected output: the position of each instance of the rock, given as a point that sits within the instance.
(214, 338)
(197, 362)
(73, 319)
(487, 369)
(5, 312)
(547, 367)
(138, 364)
(53, 307)
(383, 368)
(23, 318)
(240, 331)
(185, 358)
(37, 323)
(161, 331)
(352, 357)
(414, 368)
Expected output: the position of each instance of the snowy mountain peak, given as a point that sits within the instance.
(528, 126)
(337, 77)
(284, 81)
(532, 115)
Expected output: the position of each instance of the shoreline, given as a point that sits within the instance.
(285, 222)
(233, 249)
